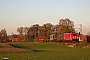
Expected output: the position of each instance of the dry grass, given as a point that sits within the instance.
(8, 48)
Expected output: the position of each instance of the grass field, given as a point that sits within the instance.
(46, 51)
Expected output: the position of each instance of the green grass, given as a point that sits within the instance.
(47, 51)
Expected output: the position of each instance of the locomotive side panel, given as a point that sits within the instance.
(67, 36)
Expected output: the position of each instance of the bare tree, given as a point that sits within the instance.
(3, 35)
(20, 31)
(26, 35)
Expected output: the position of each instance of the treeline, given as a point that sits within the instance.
(28, 33)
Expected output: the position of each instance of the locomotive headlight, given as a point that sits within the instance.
(77, 37)
(73, 37)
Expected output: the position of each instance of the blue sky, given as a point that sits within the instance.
(17, 13)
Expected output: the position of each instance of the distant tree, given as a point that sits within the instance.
(25, 30)
(65, 25)
(26, 35)
(20, 31)
(46, 29)
(3, 36)
(31, 32)
(14, 36)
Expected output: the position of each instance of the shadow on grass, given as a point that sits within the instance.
(17, 46)
(41, 50)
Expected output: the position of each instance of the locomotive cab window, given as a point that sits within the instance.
(75, 34)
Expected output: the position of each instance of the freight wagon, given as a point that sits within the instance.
(15, 39)
(53, 37)
(41, 38)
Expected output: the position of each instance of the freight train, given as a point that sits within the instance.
(54, 37)
(73, 36)
(41, 38)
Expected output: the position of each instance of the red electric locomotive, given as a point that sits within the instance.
(71, 36)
